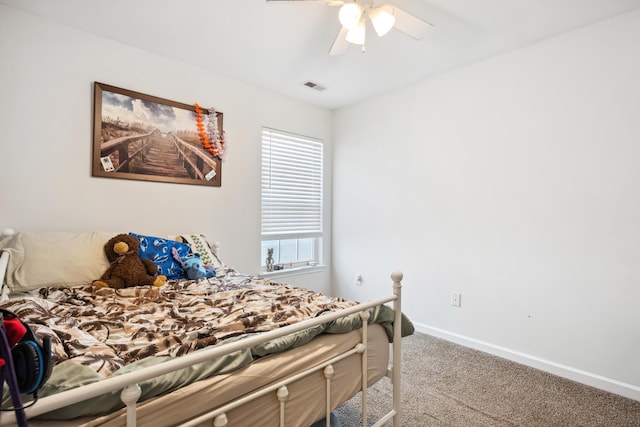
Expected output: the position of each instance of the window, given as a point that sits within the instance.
(291, 199)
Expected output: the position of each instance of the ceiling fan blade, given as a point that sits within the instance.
(340, 44)
(410, 24)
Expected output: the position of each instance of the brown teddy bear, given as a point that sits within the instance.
(127, 268)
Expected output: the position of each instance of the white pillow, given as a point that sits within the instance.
(60, 259)
(199, 244)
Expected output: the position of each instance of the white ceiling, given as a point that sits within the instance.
(280, 46)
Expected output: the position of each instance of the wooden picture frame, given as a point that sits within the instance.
(144, 137)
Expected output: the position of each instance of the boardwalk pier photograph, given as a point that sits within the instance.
(143, 137)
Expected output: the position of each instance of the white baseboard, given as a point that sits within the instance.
(608, 384)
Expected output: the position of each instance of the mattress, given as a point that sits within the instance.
(305, 405)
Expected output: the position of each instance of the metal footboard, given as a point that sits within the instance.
(128, 383)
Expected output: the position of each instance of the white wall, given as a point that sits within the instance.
(515, 181)
(46, 104)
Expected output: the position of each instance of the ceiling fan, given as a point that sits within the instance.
(353, 16)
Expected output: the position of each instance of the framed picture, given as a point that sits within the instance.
(143, 137)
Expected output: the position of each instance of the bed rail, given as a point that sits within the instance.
(128, 383)
(4, 262)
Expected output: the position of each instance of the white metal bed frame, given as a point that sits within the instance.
(130, 391)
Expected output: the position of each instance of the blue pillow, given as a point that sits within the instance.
(158, 250)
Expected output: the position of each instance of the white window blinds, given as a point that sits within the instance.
(291, 185)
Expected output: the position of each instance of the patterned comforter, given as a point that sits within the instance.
(105, 329)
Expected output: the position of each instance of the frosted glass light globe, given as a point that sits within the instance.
(382, 19)
(350, 14)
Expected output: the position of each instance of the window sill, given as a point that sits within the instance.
(294, 271)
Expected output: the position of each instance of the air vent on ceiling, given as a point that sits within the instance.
(315, 86)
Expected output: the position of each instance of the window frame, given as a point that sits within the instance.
(292, 196)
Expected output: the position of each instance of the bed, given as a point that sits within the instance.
(231, 350)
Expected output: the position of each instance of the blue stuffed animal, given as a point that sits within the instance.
(192, 266)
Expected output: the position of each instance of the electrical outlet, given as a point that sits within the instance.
(358, 279)
(456, 298)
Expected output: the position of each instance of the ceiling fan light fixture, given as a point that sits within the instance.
(382, 19)
(350, 15)
(356, 35)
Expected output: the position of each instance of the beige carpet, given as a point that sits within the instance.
(445, 384)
